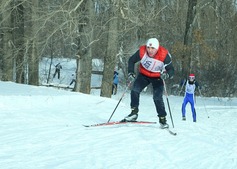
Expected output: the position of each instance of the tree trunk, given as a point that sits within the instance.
(33, 62)
(7, 46)
(18, 40)
(110, 58)
(187, 57)
(84, 60)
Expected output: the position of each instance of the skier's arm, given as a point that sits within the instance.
(132, 60)
(197, 85)
(168, 65)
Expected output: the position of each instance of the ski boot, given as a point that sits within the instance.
(132, 116)
(163, 124)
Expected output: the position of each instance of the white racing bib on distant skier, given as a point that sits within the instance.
(151, 64)
(190, 88)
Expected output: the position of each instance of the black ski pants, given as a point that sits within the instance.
(158, 87)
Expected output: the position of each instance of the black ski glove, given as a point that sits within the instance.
(131, 77)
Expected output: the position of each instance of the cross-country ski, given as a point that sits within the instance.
(119, 123)
(128, 122)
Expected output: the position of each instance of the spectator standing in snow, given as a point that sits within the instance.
(58, 67)
(155, 66)
(190, 86)
(115, 83)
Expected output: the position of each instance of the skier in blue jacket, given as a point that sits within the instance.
(190, 86)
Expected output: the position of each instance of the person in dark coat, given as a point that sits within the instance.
(58, 67)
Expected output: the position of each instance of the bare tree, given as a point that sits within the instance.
(84, 57)
(191, 13)
(18, 40)
(110, 58)
(31, 37)
(201, 36)
(7, 45)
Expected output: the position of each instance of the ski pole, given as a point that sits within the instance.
(203, 103)
(120, 100)
(166, 94)
(182, 87)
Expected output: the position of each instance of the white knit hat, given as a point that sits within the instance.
(153, 42)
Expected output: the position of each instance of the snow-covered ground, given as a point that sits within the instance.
(42, 128)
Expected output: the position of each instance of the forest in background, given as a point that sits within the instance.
(201, 36)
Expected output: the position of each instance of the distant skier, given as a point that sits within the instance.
(73, 80)
(57, 70)
(115, 83)
(190, 86)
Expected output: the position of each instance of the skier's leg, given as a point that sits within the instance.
(185, 101)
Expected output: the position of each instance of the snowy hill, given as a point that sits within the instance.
(41, 128)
